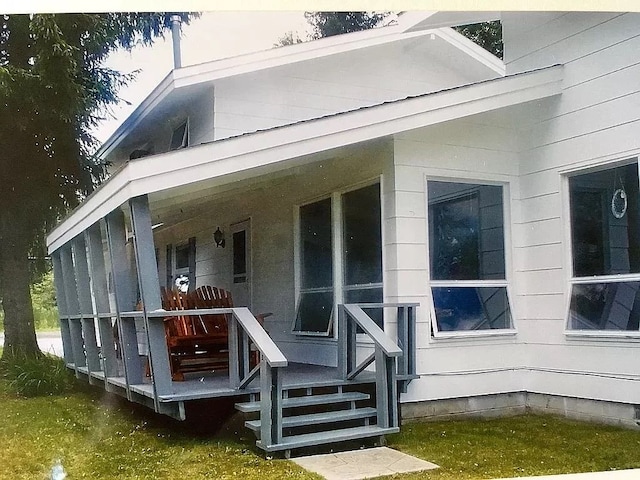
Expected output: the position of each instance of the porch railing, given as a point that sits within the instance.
(244, 333)
(384, 357)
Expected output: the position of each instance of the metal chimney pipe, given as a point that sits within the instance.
(175, 35)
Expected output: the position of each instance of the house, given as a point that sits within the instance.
(459, 231)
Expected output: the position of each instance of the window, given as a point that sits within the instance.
(180, 136)
(182, 260)
(240, 256)
(362, 246)
(356, 228)
(605, 246)
(467, 257)
(315, 302)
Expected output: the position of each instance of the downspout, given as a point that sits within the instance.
(175, 35)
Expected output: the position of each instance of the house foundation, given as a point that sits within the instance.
(518, 403)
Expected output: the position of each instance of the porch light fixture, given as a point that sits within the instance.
(218, 237)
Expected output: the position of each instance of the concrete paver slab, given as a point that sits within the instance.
(359, 464)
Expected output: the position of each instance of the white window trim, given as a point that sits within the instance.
(337, 253)
(175, 271)
(573, 280)
(298, 270)
(436, 334)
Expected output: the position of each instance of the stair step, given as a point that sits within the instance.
(319, 418)
(306, 401)
(331, 436)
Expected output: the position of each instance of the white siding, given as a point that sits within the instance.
(594, 121)
(474, 151)
(269, 203)
(198, 109)
(329, 85)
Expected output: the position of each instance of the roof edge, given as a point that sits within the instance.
(302, 139)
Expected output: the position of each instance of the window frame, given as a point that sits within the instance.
(175, 271)
(338, 261)
(571, 279)
(185, 135)
(297, 252)
(506, 283)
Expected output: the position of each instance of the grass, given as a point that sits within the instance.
(517, 446)
(31, 377)
(99, 436)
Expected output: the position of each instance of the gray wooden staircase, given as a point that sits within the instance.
(297, 416)
(313, 417)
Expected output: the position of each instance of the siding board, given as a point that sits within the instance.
(567, 37)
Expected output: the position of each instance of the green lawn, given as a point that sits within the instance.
(518, 446)
(97, 436)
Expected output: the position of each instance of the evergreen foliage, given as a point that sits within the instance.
(327, 24)
(488, 35)
(54, 88)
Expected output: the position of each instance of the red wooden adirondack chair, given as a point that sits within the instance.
(198, 343)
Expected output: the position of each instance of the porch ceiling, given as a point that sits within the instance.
(223, 162)
(175, 204)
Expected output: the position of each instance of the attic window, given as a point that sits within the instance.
(180, 137)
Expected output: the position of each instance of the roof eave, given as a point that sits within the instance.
(157, 173)
(160, 92)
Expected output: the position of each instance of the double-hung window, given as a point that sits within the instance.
(315, 302)
(605, 246)
(362, 247)
(467, 258)
(339, 257)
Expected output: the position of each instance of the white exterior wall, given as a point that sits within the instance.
(197, 109)
(594, 122)
(325, 86)
(472, 150)
(270, 204)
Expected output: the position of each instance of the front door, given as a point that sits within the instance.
(241, 263)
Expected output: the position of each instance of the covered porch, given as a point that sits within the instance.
(109, 278)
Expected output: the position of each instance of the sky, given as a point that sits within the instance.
(214, 35)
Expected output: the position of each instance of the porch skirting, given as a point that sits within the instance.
(518, 403)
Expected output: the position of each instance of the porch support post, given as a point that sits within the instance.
(406, 321)
(234, 351)
(270, 404)
(124, 289)
(86, 308)
(73, 308)
(410, 351)
(65, 331)
(343, 368)
(346, 343)
(386, 390)
(149, 284)
(98, 273)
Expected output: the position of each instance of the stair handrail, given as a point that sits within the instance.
(406, 337)
(347, 340)
(240, 375)
(270, 366)
(385, 355)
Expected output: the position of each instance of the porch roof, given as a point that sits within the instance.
(269, 150)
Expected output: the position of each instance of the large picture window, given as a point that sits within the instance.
(467, 257)
(315, 303)
(344, 231)
(605, 246)
(362, 246)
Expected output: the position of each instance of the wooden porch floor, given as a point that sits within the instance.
(198, 386)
